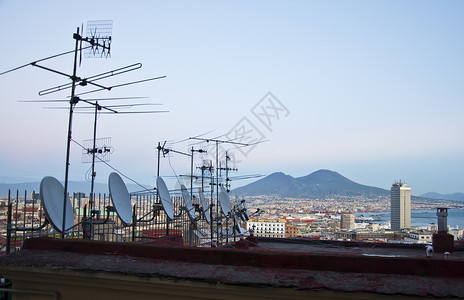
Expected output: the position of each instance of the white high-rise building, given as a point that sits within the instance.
(347, 221)
(400, 206)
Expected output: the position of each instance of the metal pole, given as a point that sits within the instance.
(191, 176)
(217, 188)
(157, 192)
(71, 108)
(8, 224)
(211, 200)
(94, 150)
(192, 222)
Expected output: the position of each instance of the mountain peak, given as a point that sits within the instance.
(317, 184)
(326, 174)
(324, 171)
(278, 174)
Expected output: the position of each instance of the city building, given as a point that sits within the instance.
(267, 228)
(400, 195)
(458, 233)
(419, 237)
(291, 231)
(347, 221)
(357, 235)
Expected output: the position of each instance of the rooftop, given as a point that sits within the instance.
(285, 266)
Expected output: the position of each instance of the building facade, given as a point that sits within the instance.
(347, 221)
(419, 237)
(292, 231)
(400, 195)
(268, 228)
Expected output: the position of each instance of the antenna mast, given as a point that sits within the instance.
(217, 142)
(94, 41)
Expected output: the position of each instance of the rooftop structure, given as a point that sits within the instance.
(443, 241)
(274, 269)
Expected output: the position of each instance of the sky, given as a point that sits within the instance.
(370, 89)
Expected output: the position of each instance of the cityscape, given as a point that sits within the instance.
(337, 218)
(325, 219)
(365, 222)
(151, 203)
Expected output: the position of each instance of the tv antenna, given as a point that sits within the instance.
(102, 153)
(99, 148)
(227, 169)
(217, 142)
(98, 42)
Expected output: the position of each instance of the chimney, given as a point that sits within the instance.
(442, 214)
(443, 241)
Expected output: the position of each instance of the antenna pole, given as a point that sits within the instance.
(217, 188)
(217, 175)
(161, 148)
(159, 153)
(192, 222)
(72, 103)
(191, 175)
(211, 173)
(94, 150)
(227, 190)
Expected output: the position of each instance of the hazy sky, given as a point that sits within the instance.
(370, 89)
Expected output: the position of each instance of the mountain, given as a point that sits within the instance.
(276, 183)
(317, 184)
(453, 197)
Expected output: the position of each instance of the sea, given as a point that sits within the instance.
(420, 218)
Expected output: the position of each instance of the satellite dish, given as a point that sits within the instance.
(188, 202)
(224, 200)
(51, 195)
(204, 206)
(239, 228)
(120, 198)
(165, 197)
(243, 210)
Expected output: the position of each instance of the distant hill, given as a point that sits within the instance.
(317, 184)
(73, 187)
(453, 197)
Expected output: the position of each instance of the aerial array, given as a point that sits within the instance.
(206, 202)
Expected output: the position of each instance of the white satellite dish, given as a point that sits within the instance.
(224, 200)
(243, 210)
(52, 196)
(165, 197)
(204, 206)
(188, 202)
(120, 198)
(239, 228)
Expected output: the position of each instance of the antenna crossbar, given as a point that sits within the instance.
(219, 141)
(88, 80)
(123, 84)
(43, 59)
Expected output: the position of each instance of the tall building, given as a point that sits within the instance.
(400, 195)
(347, 221)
